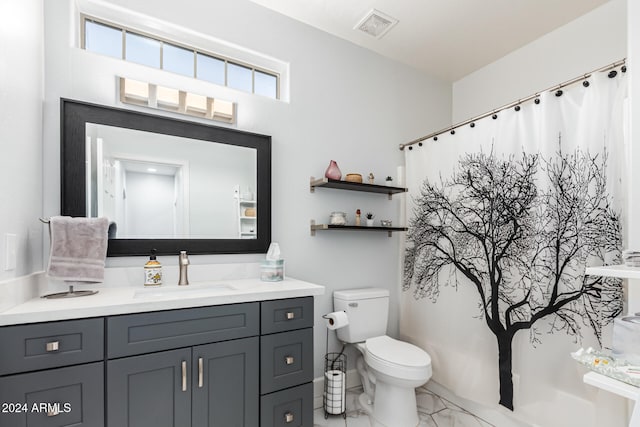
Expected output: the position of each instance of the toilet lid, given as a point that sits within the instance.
(397, 352)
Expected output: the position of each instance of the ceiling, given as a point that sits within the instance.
(447, 39)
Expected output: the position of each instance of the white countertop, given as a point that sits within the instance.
(128, 299)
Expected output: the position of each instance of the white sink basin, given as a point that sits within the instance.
(177, 291)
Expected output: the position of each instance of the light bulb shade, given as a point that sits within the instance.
(196, 103)
(134, 90)
(223, 109)
(168, 97)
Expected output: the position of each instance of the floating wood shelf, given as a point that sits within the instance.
(389, 230)
(354, 186)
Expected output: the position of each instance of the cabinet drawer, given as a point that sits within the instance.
(288, 408)
(72, 396)
(163, 330)
(49, 345)
(286, 315)
(286, 360)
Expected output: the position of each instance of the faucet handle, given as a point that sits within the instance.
(183, 258)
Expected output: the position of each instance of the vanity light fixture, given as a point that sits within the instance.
(223, 110)
(196, 103)
(168, 98)
(134, 90)
(165, 98)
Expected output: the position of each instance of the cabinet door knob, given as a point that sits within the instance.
(184, 375)
(200, 372)
(53, 346)
(288, 417)
(290, 315)
(289, 360)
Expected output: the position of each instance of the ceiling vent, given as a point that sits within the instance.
(376, 23)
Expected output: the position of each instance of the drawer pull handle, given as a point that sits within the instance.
(200, 373)
(291, 315)
(289, 360)
(288, 417)
(53, 412)
(53, 346)
(184, 376)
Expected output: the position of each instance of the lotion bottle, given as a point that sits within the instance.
(153, 271)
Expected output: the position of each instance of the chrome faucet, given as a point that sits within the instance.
(183, 262)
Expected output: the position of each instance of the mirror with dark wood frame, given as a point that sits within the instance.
(218, 181)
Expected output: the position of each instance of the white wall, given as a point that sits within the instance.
(587, 43)
(21, 95)
(346, 104)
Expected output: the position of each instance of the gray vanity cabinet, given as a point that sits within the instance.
(194, 367)
(234, 365)
(286, 363)
(149, 390)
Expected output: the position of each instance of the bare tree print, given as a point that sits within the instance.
(520, 230)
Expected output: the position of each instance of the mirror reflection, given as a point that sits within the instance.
(196, 195)
(160, 186)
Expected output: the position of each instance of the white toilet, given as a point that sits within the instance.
(390, 369)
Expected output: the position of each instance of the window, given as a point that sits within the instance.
(120, 42)
(142, 50)
(239, 77)
(103, 39)
(210, 69)
(265, 84)
(177, 59)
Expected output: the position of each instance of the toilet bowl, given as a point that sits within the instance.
(390, 369)
(395, 368)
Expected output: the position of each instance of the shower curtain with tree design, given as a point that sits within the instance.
(504, 216)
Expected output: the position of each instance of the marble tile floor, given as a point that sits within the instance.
(433, 410)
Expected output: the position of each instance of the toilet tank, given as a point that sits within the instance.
(367, 310)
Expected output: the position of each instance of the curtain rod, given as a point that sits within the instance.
(514, 103)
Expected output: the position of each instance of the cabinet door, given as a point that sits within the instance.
(151, 390)
(60, 397)
(225, 384)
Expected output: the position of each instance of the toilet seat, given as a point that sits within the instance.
(397, 358)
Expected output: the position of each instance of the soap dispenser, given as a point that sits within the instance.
(153, 271)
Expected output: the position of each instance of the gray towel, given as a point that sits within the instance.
(78, 248)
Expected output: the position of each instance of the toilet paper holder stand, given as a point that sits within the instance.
(335, 380)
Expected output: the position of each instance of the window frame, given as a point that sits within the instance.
(162, 40)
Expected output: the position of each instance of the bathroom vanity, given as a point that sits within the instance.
(232, 354)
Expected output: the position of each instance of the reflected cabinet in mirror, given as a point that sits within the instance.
(164, 183)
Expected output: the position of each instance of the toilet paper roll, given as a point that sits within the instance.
(335, 392)
(336, 320)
